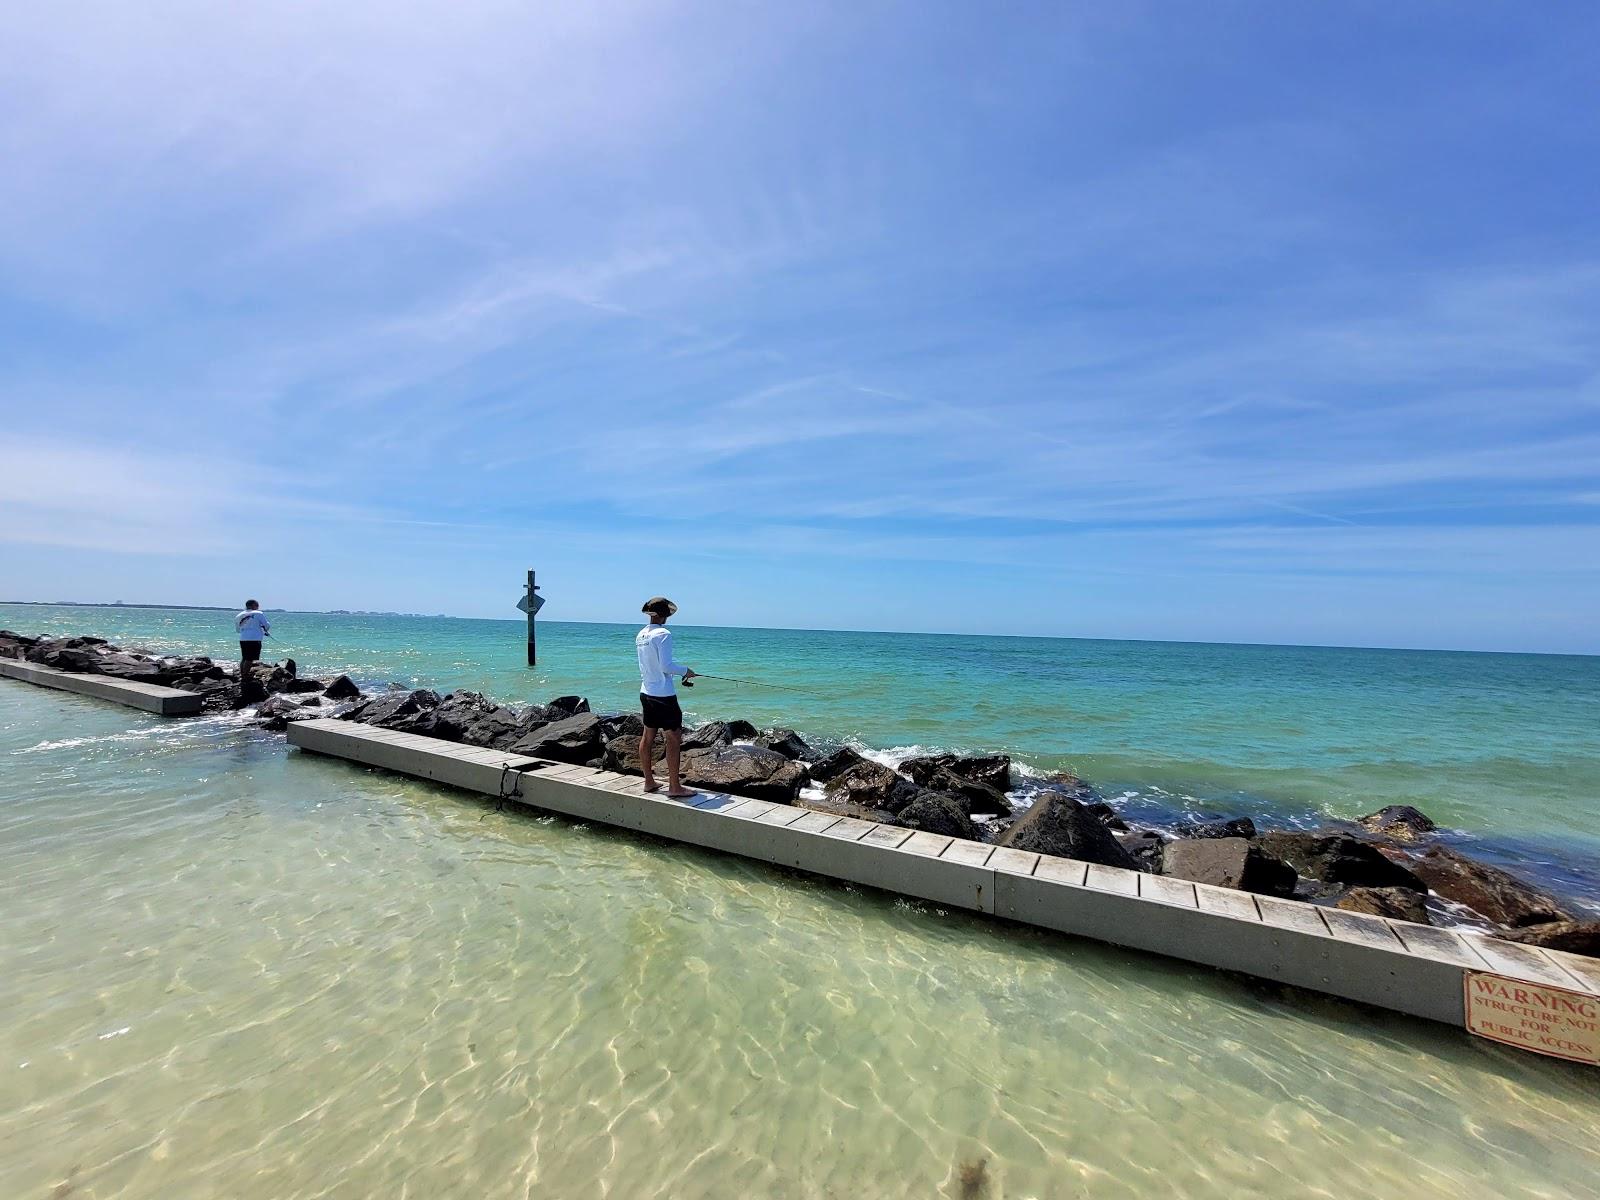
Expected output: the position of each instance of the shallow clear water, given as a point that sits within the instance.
(229, 969)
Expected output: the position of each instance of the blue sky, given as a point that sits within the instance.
(1253, 322)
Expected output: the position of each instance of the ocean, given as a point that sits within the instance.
(229, 969)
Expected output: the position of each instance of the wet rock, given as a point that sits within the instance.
(833, 765)
(1146, 846)
(1574, 937)
(1065, 783)
(1230, 862)
(565, 706)
(991, 770)
(1337, 858)
(704, 737)
(979, 799)
(1498, 895)
(1398, 821)
(1398, 904)
(573, 739)
(394, 709)
(303, 685)
(342, 688)
(935, 812)
(744, 771)
(874, 786)
(1059, 825)
(277, 712)
(1237, 827)
(787, 743)
(1107, 816)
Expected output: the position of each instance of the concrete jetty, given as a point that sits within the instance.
(1414, 969)
(163, 701)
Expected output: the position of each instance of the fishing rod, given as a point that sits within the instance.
(751, 683)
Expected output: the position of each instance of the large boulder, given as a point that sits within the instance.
(566, 706)
(935, 812)
(744, 771)
(575, 739)
(471, 718)
(131, 667)
(1398, 904)
(1230, 862)
(1338, 858)
(1398, 821)
(831, 766)
(65, 655)
(1498, 895)
(872, 785)
(991, 770)
(622, 754)
(396, 709)
(1059, 825)
(1575, 937)
(342, 688)
(618, 725)
(977, 798)
(277, 712)
(704, 737)
(787, 743)
(1146, 845)
(15, 645)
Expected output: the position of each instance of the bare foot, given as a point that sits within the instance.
(650, 785)
(682, 794)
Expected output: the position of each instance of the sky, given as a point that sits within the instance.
(1199, 321)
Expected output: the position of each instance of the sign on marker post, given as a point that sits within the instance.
(531, 603)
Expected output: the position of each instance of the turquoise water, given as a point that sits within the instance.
(1504, 748)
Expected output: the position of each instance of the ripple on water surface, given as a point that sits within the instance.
(228, 970)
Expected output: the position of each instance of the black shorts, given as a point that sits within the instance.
(249, 652)
(661, 712)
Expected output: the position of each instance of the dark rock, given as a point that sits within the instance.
(979, 799)
(622, 725)
(991, 770)
(470, 718)
(873, 785)
(1574, 937)
(128, 666)
(303, 685)
(1065, 783)
(1398, 904)
(1238, 827)
(622, 754)
(565, 706)
(1230, 862)
(742, 731)
(574, 739)
(844, 808)
(394, 709)
(744, 771)
(1398, 821)
(278, 711)
(15, 645)
(704, 737)
(935, 812)
(1107, 816)
(1146, 846)
(787, 743)
(1338, 858)
(836, 764)
(81, 660)
(342, 688)
(1059, 825)
(1498, 895)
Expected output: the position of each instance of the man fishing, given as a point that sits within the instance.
(658, 697)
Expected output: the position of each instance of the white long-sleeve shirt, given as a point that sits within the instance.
(252, 625)
(656, 664)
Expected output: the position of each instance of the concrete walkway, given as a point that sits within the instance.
(164, 701)
(1414, 969)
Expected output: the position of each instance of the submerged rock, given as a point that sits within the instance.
(1230, 862)
(935, 812)
(1338, 858)
(1398, 821)
(991, 770)
(1498, 895)
(1059, 825)
(1399, 904)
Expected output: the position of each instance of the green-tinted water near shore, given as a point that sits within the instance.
(230, 969)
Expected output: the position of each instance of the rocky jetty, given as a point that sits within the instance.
(1392, 863)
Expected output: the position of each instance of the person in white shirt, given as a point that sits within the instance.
(657, 695)
(253, 626)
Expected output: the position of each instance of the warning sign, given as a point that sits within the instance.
(1535, 1016)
